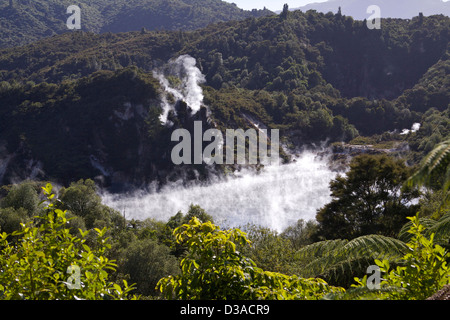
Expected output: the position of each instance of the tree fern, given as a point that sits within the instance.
(438, 159)
(376, 246)
(335, 260)
(318, 258)
(404, 233)
(441, 230)
(343, 272)
(319, 249)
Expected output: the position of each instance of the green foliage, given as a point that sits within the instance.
(296, 117)
(19, 205)
(301, 233)
(423, 270)
(370, 199)
(197, 212)
(214, 269)
(338, 261)
(440, 229)
(435, 167)
(145, 262)
(81, 200)
(11, 219)
(34, 20)
(23, 196)
(264, 242)
(44, 263)
(432, 205)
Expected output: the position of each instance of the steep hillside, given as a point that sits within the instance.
(27, 21)
(306, 48)
(316, 77)
(87, 119)
(271, 53)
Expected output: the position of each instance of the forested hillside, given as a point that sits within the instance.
(316, 77)
(82, 112)
(26, 21)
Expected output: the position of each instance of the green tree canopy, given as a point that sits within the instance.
(213, 269)
(49, 263)
(82, 200)
(23, 195)
(369, 199)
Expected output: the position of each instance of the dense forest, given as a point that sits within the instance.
(72, 100)
(189, 257)
(293, 73)
(25, 21)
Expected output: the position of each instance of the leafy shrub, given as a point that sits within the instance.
(44, 263)
(214, 269)
(146, 262)
(422, 273)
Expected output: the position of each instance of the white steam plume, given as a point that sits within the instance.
(188, 90)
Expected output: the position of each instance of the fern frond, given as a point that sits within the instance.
(319, 266)
(319, 249)
(404, 234)
(443, 150)
(441, 229)
(316, 258)
(430, 163)
(375, 246)
(344, 270)
(338, 257)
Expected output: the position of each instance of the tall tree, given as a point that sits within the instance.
(369, 199)
(285, 11)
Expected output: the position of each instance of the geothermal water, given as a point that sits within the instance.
(189, 90)
(276, 197)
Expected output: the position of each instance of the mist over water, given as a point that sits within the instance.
(276, 197)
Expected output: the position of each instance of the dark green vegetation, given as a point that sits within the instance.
(370, 199)
(30, 20)
(87, 114)
(85, 107)
(189, 257)
(314, 76)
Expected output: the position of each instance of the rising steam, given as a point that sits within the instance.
(187, 89)
(275, 198)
